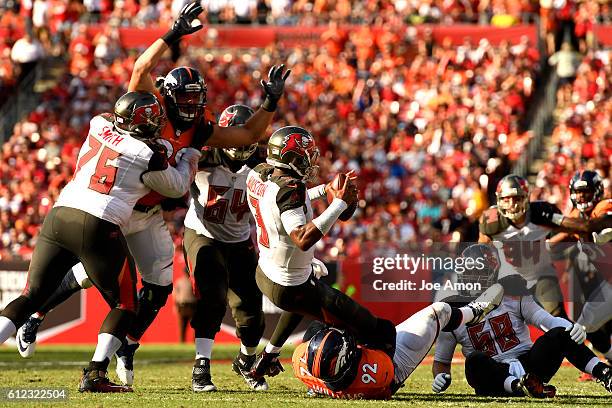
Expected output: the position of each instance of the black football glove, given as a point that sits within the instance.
(182, 25)
(274, 87)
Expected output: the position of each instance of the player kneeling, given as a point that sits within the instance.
(332, 363)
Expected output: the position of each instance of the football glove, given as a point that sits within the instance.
(441, 382)
(183, 25)
(274, 86)
(318, 268)
(577, 333)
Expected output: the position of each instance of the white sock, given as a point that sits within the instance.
(468, 314)
(270, 348)
(591, 364)
(508, 384)
(130, 341)
(203, 347)
(107, 346)
(249, 351)
(7, 329)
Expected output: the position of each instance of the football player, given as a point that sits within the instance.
(331, 362)
(183, 94)
(500, 356)
(523, 226)
(117, 165)
(587, 197)
(221, 255)
(287, 232)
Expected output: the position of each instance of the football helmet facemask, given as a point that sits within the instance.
(237, 115)
(333, 357)
(586, 190)
(184, 92)
(480, 272)
(139, 114)
(294, 148)
(512, 195)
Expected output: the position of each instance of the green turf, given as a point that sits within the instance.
(163, 378)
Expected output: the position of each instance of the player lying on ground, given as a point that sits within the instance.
(118, 164)
(287, 232)
(500, 356)
(331, 362)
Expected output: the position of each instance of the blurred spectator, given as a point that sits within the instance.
(26, 53)
(566, 61)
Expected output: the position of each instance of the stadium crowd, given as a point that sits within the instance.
(427, 126)
(582, 138)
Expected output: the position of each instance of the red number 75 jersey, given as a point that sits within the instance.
(373, 379)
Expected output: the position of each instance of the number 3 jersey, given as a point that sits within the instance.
(218, 208)
(503, 335)
(373, 380)
(107, 180)
(269, 197)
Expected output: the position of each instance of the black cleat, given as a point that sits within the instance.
(242, 366)
(26, 337)
(97, 381)
(533, 387)
(605, 379)
(201, 380)
(266, 364)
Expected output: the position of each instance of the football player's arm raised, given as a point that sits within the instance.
(552, 215)
(167, 180)
(306, 234)
(254, 129)
(141, 75)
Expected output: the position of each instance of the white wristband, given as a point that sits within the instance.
(557, 219)
(326, 220)
(316, 192)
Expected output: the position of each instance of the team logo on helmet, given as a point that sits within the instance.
(297, 143)
(226, 118)
(142, 114)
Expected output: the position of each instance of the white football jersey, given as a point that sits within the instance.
(107, 183)
(279, 258)
(218, 207)
(503, 334)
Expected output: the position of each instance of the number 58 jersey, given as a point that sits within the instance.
(107, 180)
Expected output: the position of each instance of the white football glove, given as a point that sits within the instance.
(318, 268)
(516, 368)
(577, 333)
(441, 382)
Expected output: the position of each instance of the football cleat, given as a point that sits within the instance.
(201, 380)
(266, 364)
(485, 303)
(531, 385)
(97, 381)
(125, 362)
(26, 337)
(606, 379)
(242, 366)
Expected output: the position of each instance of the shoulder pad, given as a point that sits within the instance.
(492, 222)
(604, 207)
(264, 170)
(290, 196)
(109, 117)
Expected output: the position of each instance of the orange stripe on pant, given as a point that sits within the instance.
(127, 291)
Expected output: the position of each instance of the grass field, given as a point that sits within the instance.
(163, 379)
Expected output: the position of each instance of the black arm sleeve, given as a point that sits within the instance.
(540, 213)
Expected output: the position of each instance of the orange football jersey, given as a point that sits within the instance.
(373, 380)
